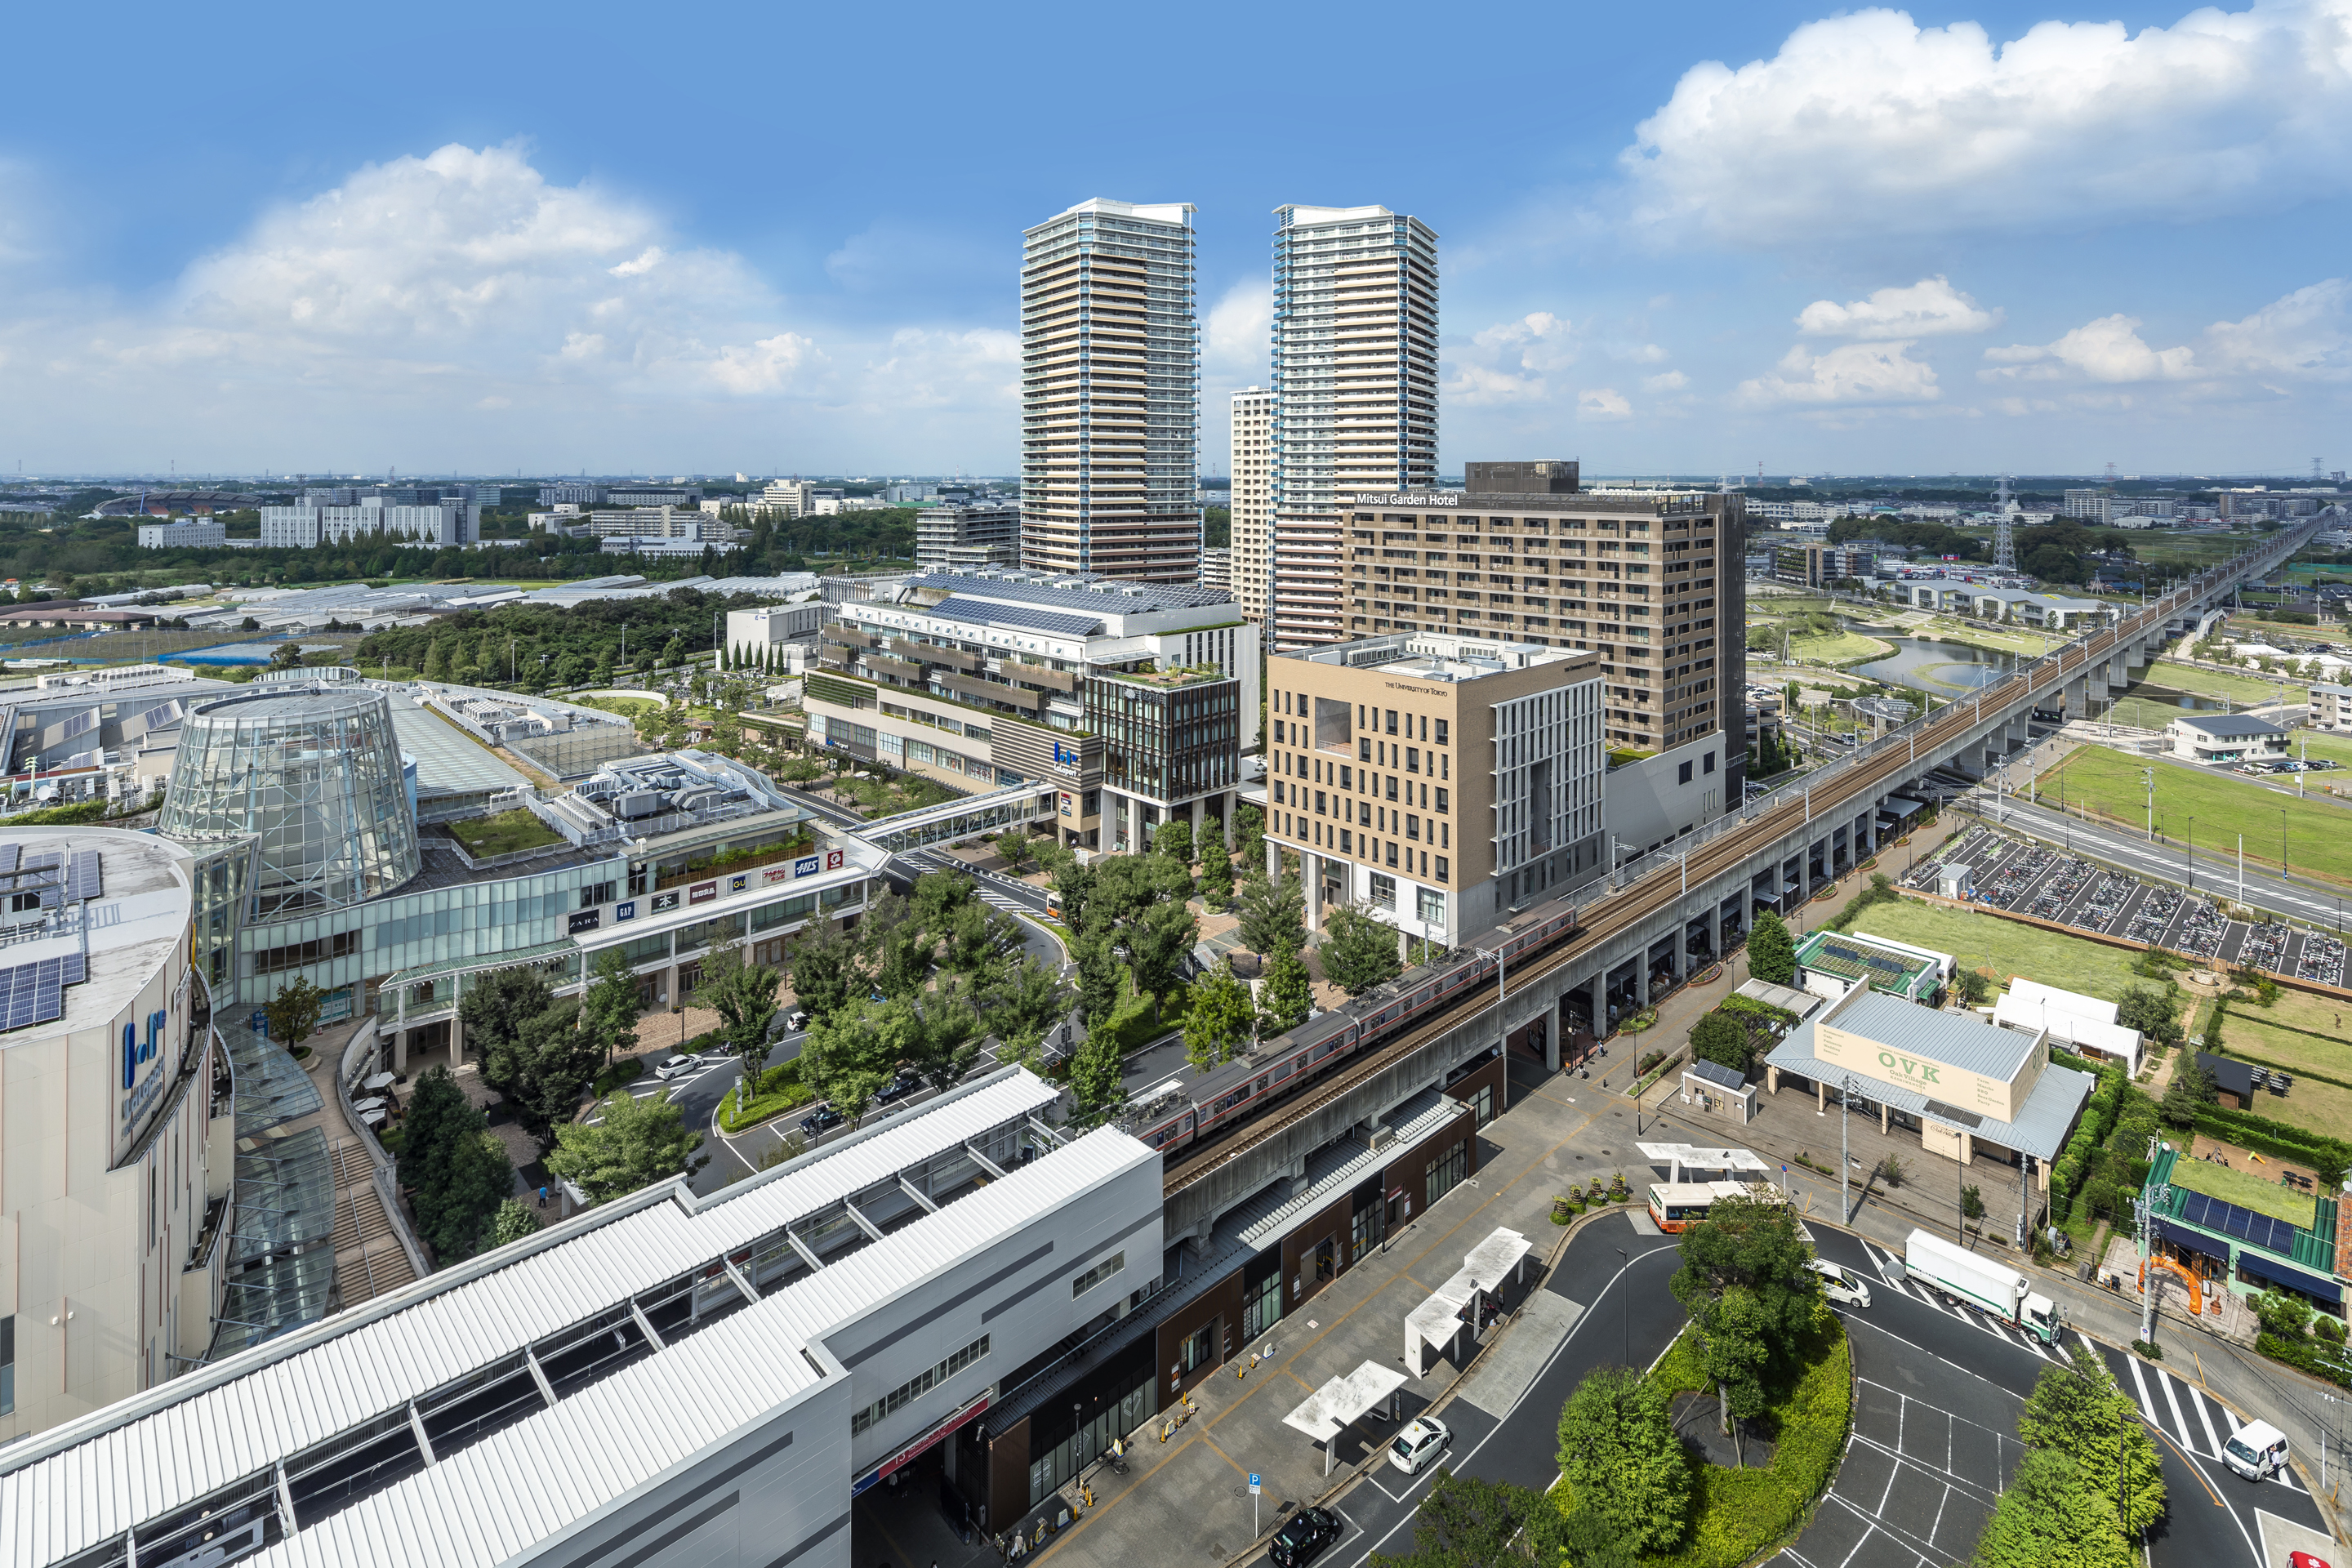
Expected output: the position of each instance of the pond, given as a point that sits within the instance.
(1946, 669)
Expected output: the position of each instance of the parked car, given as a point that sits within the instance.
(1843, 1286)
(1419, 1444)
(1302, 1539)
(795, 1021)
(2257, 1451)
(899, 1087)
(818, 1121)
(678, 1067)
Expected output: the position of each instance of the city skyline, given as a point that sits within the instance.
(1985, 240)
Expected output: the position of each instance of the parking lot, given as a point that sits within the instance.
(1919, 1478)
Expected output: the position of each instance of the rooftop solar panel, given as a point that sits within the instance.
(2259, 1230)
(8, 854)
(35, 992)
(957, 607)
(82, 879)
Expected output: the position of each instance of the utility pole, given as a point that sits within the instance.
(1845, 1149)
(2149, 774)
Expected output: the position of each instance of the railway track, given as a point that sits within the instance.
(1660, 888)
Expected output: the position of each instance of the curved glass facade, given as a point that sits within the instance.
(313, 777)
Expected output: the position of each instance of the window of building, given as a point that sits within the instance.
(1384, 888)
(915, 1387)
(1432, 903)
(1710, 761)
(1413, 759)
(1682, 773)
(1199, 1345)
(1097, 1274)
(1412, 827)
(1366, 1233)
(1446, 1171)
(1445, 801)
(1441, 733)
(8, 1365)
(1443, 875)
(595, 893)
(1262, 1308)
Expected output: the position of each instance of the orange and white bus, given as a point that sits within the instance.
(1675, 1206)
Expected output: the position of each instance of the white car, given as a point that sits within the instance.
(678, 1067)
(1841, 1286)
(2255, 1450)
(1420, 1442)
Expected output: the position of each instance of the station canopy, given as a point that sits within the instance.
(1328, 1411)
(1680, 1157)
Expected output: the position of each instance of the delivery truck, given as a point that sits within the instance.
(1989, 1286)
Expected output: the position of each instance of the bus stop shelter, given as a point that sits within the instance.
(1332, 1408)
(1437, 1322)
(1680, 1157)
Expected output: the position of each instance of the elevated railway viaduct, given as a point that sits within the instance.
(1670, 910)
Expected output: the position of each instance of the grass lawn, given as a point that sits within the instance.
(1131, 1019)
(2245, 1189)
(2008, 947)
(628, 707)
(2002, 638)
(504, 834)
(2211, 682)
(2142, 713)
(2318, 832)
(1837, 648)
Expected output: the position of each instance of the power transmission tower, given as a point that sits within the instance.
(2004, 545)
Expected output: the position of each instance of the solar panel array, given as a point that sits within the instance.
(1020, 616)
(83, 880)
(8, 854)
(35, 992)
(2255, 1229)
(1861, 963)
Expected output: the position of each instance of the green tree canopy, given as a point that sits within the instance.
(454, 1215)
(514, 1220)
(293, 1013)
(826, 969)
(1757, 1249)
(1771, 955)
(632, 1143)
(1359, 949)
(1218, 1022)
(1721, 1039)
(1287, 998)
(610, 1005)
(1272, 915)
(1621, 1457)
(743, 995)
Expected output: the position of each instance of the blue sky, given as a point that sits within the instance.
(1694, 239)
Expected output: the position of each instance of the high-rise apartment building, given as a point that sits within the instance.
(1355, 394)
(1252, 499)
(1110, 393)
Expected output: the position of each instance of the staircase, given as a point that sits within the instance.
(368, 1259)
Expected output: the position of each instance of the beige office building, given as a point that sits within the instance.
(1110, 394)
(1355, 385)
(116, 1132)
(1253, 500)
(1437, 780)
(1649, 580)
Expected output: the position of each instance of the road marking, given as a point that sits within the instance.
(2173, 1399)
(2147, 1406)
(2205, 1414)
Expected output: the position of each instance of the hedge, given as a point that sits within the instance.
(2305, 1355)
(1736, 1514)
(780, 1089)
(2276, 1139)
(2082, 1151)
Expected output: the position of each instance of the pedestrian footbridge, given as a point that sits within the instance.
(969, 817)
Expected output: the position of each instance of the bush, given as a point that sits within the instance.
(2328, 1328)
(780, 1089)
(2307, 1355)
(626, 1070)
(1736, 1514)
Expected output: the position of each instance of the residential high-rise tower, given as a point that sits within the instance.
(1110, 393)
(1252, 499)
(1355, 394)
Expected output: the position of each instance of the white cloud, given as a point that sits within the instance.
(1237, 341)
(1539, 341)
(1855, 374)
(2305, 334)
(2108, 350)
(465, 279)
(1602, 403)
(1672, 381)
(1868, 123)
(1927, 308)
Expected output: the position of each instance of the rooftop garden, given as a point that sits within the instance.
(1169, 675)
(2245, 1189)
(507, 832)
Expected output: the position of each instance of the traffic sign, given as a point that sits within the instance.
(1252, 1483)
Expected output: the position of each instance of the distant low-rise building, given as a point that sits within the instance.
(2331, 706)
(436, 525)
(963, 538)
(1831, 962)
(192, 533)
(2224, 738)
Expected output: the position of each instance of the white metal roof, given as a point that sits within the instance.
(494, 1499)
(94, 1479)
(1322, 1413)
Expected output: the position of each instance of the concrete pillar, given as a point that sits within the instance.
(1310, 870)
(400, 1050)
(1198, 814)
(1227, 805)
(457, 1039)
(1553, 1030)
(1272, 860)
(1882, 1119)
(1821, 1098)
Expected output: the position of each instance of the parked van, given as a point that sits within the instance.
(1843, 1286)
(2257, 1452)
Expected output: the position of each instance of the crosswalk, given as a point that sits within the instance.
(933, 861)
(2182, 1412)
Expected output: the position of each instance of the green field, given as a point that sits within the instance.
(2245, 1189)
(2006, 947)
(2214, 683)
(2144, 712)
(2211, 809)
(1837, 648)
(2317, 1107)
(503, 834)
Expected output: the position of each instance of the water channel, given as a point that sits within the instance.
(1948, 668)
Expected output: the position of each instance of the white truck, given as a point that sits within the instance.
(1988, 1285)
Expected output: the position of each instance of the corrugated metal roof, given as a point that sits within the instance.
(493, 1500)
(1333, 1170)
(1968, 1044)
(282, 1397)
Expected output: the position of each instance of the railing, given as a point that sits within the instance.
(362, 1046)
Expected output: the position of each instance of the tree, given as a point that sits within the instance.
(1721, 1039)
(943, 1048)
(495, 1005)
(1017, 847)
(514, 1220)
(2080, 1411)
(825, 970)
(544, 1071)
(1771, 955)
(1095, 1076)
(1360, 950)
(1288, 997)
(610, 1005)
(2190, 1092)
(1619, 1454)
(455, 1213)
(1027, 1000)
(1217, 878)
(632, 1143)
(1157, 944)
(1100, 980)
(1249, 834)
(1464, 1521)
(434, 1106)
(436, 660)
(293, 1013)
(2155, 1013)
(1219, 1020)
(1173, 840)
(1758, 1249)
(743, 995)
(1737, 1356)
(1272, 915)
(286, 655)
(851, 1054)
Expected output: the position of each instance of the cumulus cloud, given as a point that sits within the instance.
(1602, 403)
(464, 278)
(1508, 362)
(1869, 123)
(1928, 307)
(2108, 350)
(1855, 373)
(2305, 334)
(1672, 381)
(1538, 341)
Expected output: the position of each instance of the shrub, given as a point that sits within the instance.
(2328, 1328)
(2308, 1355)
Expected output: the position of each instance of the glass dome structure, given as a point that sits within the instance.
(313, 774)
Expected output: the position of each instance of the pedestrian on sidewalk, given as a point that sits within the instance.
(543, 1195)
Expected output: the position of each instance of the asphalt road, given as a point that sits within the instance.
(1939, 1390)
